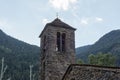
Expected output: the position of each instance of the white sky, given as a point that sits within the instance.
(25, 19)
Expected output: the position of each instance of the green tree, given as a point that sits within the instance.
(102, 59)
(92, 59)
(80, 61)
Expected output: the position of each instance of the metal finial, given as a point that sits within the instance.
(57, 15)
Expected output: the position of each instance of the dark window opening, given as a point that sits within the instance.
(58, 41)
(44, 44)
(63, 41)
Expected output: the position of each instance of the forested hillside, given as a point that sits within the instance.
(82, 49)
(109, 43)
(18, 56)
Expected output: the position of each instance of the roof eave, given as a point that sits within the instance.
(62, 26)
(43, 30)
(99, 66)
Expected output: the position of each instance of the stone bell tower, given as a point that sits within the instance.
(57, 49)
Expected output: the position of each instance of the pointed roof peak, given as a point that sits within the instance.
(59, 23)
(57, 19)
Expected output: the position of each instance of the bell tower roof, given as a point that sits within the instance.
(57, 23)
(57, 46)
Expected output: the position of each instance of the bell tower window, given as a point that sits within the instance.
(60, 42)
(63, 42)
(44, 43)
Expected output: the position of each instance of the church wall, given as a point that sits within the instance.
(56, 63)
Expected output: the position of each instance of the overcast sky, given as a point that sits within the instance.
(25, 19)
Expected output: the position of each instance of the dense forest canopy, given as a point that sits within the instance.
(20, 55)
(109, 43)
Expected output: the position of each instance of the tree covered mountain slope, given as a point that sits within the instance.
(109, 43)
(18, 56)
(82, 49)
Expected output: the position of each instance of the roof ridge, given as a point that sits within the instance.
(58, 23)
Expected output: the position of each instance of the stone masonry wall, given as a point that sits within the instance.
(88, 72)
(55, 63)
